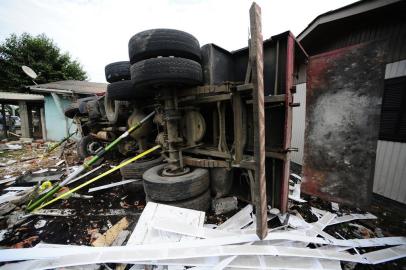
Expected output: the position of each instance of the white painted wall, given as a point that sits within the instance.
(390, 164)
(390, 170)
(298, 123)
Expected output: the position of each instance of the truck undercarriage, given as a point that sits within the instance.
(223, 118)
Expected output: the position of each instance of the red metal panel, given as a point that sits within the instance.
(290, 53)
(343, 104)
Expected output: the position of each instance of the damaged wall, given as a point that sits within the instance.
(56, 123)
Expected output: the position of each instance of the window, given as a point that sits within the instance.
(393, 115)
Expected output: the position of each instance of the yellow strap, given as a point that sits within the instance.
(100, 176)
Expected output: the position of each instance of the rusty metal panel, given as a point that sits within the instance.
(343, 106)
(290, 52)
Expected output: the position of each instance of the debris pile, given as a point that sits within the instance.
(178, 238)
(103, 227)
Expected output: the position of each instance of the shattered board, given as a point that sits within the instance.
(343, 107)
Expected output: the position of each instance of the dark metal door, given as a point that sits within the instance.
(343, 105)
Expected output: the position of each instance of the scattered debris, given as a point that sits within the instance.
(40, 223)
(335, 207)
(167, 235)
(224, 205)
(10, 146)
(126, 230)
(110, 236)
(8, 163)
(113, 185)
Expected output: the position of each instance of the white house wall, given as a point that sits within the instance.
(390, 170)
(298, 123)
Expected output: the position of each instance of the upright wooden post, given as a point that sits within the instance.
(43, 124)
(25, 120)
(257, 79)
(5, 128)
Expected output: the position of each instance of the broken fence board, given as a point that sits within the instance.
(344, 218)
(387, 254)
(179, 228)
(7, 180)
(144, 233)
(61, 257)
(112, 185)
(351, 217)
(54, 212)
(258, 262)
(239, 220)
(86, 174)
(18, 188)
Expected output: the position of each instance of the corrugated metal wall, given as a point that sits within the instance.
(393, 30)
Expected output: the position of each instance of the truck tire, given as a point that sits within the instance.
(125, 90)
(120, 90)
(199, 203)
(72, 110)
(117, 71)
(115, 110)
(136, 169)
(92, 108)
(169, 189)
(83, 103)
(85, 148)
(164, 71)
(163, 42)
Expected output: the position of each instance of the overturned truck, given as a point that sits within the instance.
(223, 118)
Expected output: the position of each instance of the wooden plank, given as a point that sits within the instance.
(111, 234)
(208, 152)
(245, 87)
(257, 65)
(270, 99)
(239, 130)
(207, 99)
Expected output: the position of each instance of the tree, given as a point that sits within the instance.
(42, 55)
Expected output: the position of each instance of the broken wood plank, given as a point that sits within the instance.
(108, 237)
(239, 220)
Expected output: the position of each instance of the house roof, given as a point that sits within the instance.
(344, 12)
(10, 96)
(70, 87)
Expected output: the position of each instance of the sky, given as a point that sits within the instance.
(96, 32)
